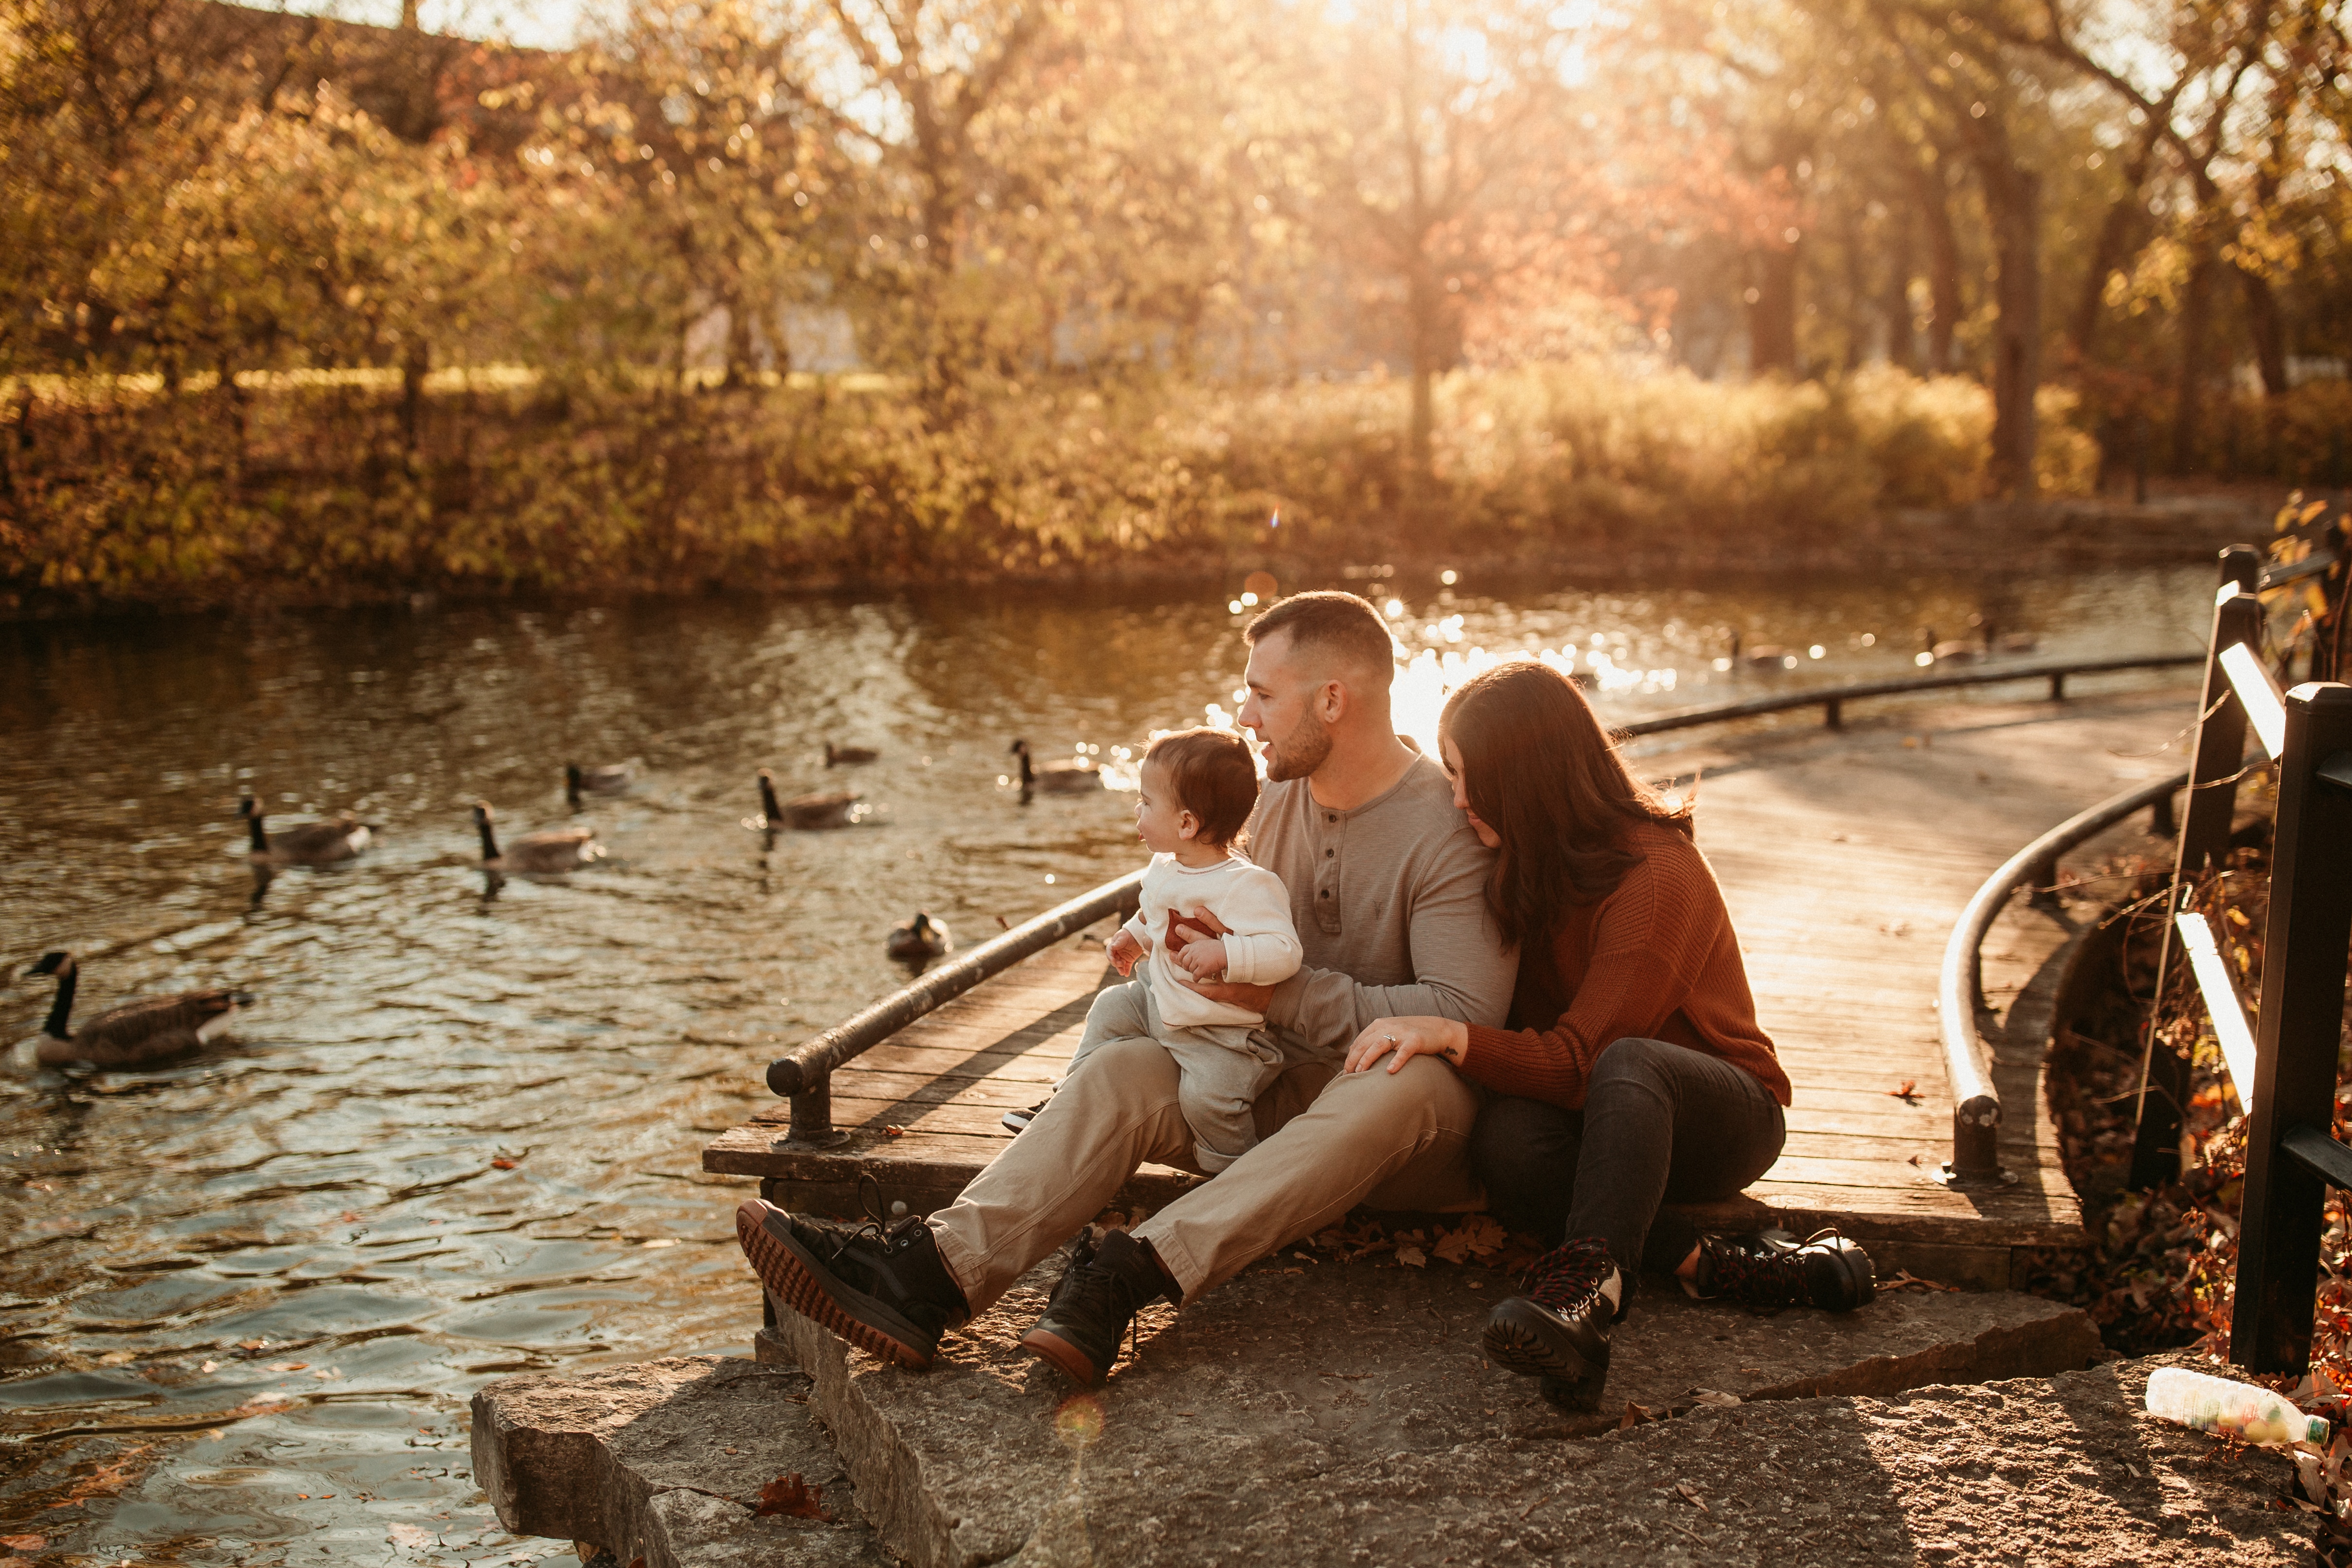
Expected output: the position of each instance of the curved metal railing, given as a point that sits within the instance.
(1959, 987)
(1832, 699)
(803, 1074)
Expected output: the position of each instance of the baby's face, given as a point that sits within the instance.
(1159, 815)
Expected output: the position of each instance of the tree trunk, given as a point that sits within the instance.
(1902, 340)
(1932, 195)
(415, 361)
(2189, 393)
(2115, 243)
(1419, 435)
(2269, 333)
(1772, 312)
(2014, 199)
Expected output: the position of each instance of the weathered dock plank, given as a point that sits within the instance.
(1845, 857)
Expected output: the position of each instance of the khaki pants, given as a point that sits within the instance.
(1395, 1141)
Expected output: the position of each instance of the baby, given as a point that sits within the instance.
(1198, 786)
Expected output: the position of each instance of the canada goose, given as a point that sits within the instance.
(328, 843)
(919, 939)
(137, 1032)
(1073, 777)
(829, 809)
(537, 853)
(836, 756)
(1763, 655)
(1952, 651)
(612, 778)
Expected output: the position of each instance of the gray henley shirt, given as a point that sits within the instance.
(1389, 902)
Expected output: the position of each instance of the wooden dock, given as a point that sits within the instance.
(1845, 857)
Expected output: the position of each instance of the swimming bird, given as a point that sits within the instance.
(1951, 651)
(152, 1029)
(1073, 777)
(328, 843)
(1763, 655)
(556, 850)
(828, 809)
(917, 939)
(847, 755)
(612, 778)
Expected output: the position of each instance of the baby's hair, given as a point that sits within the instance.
(1214, 778)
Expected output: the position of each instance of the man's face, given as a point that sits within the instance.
(1284, 707)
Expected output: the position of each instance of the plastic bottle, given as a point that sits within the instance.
(2233, 1409)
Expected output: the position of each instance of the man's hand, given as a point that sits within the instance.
(1204, 960)
(1401, 1039)
(1249, 998)
(1124, 951)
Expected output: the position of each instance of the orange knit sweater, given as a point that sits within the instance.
(1654, 960)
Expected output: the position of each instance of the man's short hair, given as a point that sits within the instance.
(1214, 776)
(1334, 623)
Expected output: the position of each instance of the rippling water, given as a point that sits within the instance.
(245, 1298)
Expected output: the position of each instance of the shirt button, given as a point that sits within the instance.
(1327, 817)
(1329, 852)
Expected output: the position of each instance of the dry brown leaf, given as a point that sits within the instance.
(894, 1132)
(1412, 1258)
(788, 1495)
(502, 1163)
(1909, 1094)
(1690, 1495)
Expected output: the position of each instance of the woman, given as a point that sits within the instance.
(1631, 1070)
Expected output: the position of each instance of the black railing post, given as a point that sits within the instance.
(2204, 837)
(2299, 1024)
(811, 1124)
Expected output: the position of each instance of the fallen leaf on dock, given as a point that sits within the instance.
(790, 1495)
(1904, 1279)
(1715, 1399)
(289, 1366)
(1909, 1094)
(502, 1163)
(894, 1132)
(1412, 1258)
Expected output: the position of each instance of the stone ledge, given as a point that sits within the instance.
(664, 1462)
(1321, 1370)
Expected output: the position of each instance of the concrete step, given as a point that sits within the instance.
(1318, 1370)
(667, 1464)
(1295, 1427)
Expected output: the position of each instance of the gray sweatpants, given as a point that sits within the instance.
(1221, 1068)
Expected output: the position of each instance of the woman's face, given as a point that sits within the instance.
(1453, 755)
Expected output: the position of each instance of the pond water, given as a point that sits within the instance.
(245, 1298)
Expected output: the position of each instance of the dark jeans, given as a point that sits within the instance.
(1659, 1122)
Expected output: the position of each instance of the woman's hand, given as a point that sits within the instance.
(1401, 1039)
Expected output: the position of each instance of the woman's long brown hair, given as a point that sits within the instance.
(1546, 778)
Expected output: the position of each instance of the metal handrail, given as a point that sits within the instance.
(1960, 985)
(803, 1073)
(1832, 698)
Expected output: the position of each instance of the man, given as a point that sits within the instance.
(1387, 889)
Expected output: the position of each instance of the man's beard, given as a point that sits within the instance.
(1301, 752)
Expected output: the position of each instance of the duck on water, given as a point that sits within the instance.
(152, 1029)
(1073, 777)
(831, 809)
(328, 843)
(546, 854)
